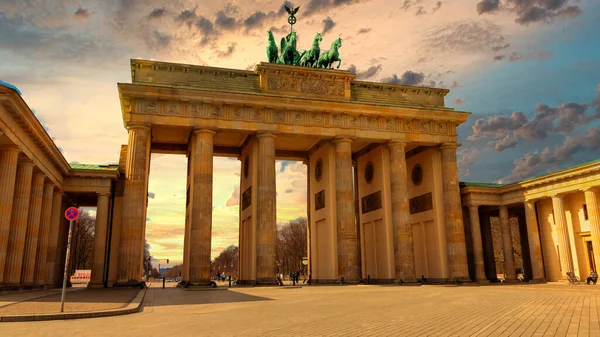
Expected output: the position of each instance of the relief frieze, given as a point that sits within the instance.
(307, 86)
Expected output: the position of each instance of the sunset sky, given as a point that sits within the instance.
(528, 70)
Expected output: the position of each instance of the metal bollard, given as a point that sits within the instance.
(369, 279)
(163, 283)
(230, 280)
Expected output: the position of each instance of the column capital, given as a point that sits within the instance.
(1, 133)
(341, 139)
(530, 201)
(138, 126)
(204, 130)
(398, 143)
(103, 194)
(474, 206)
(444, 146)
(590, 189)
(8, 148)
(558, 196)
(261, 134)
(39, 174)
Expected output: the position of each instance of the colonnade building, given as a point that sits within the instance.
(383, 202)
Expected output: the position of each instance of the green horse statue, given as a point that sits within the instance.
(289, 54)
(310, 57)
(271, 48)
(326, 60)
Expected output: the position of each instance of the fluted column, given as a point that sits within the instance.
(131, 253)
(18, 222)
(507, 247)
(562, 233)
(266, 233)
(477, 243)
(8, 170)
(455, 232)
(41, 269)
(55, 221)
(533, 237)
(403, 240)
(347, 238)
(100, 231)
(201, 174)
(33, 227)
(591, 201)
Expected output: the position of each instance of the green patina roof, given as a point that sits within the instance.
(469, 184)
(94, 167)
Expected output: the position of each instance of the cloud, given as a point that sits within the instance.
(531, 11)
(224, 21)
(151, 195)
(438, 5)
(157, 40)
(157, 13)
(420, 11)
(228, 52)
(408, 78)
(408, 4)
(82, 13)
(352, 68)
(364, 30)
(234, 200)
(496, 49)
(505, 131)
(529, 56)
(315, 6)
(370, 72)
(328, 25)
(458, 101)
(466, 37)
(535, 162)
(466, 156)
(187, 16)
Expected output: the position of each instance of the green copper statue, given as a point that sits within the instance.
(289, 54)
(310, 57)
(271, 48)
(326, 60)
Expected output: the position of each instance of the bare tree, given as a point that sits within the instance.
(226, 262)
(291, 246)
(147, 258)
(83, 241)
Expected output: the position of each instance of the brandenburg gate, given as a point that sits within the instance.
(381, 158)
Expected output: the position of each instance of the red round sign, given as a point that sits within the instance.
(72, 213)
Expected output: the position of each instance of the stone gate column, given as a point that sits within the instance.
(507, 247)
(53, 237)
(591, 201)
(562, 233)
(100, 234)
(533, 237)
(42, 249)
(403, 240)
(455, 232)
(200, 231)
(18, 222)
(348, 257)
(131, 253)
(266, 233)
(33, 227)
(477, 243)
(8, 170)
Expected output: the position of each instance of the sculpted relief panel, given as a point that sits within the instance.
(306, 86)
(307, 118)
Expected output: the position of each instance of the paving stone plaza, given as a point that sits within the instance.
(498, 310)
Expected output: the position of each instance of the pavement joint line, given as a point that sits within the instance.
(132, 307)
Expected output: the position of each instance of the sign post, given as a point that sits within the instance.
(72, 213)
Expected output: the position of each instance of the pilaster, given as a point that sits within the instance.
(477, 243)
(41, 269)
(53, 237)
(455, 233)
(507, 247)
(266, 232)
(348, 258)
(8, 169)
(18, 227)
(533, 237)
(99, 253)
(403, 240)
(200, 227)
(591, 201)
(33, 227)
(562, 233)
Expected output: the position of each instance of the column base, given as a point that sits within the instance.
(459, 280)
(482, 281)
(538, 280)
(204, 284)
(267, 282)
(95, 285)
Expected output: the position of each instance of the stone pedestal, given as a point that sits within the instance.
(266, 232)
(507, 247)
(51, 256)
(348, 258)
(455, 232)
(41, 269)
(562, 234)
(18, 227)
(131, 253)
(33, 227)
(99, 254)
(593, 209)
(200, 222)
(533, 237)
(403, 240)
(8, 171)
(477, 244)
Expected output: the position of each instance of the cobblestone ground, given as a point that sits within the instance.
(519, 310)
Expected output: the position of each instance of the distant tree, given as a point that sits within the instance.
(83, 241)
(175, 271)
(291, 245)
(226, 262)
(147, 258)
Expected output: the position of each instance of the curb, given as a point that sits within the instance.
(134, 306)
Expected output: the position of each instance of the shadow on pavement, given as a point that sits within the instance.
(176, 296)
